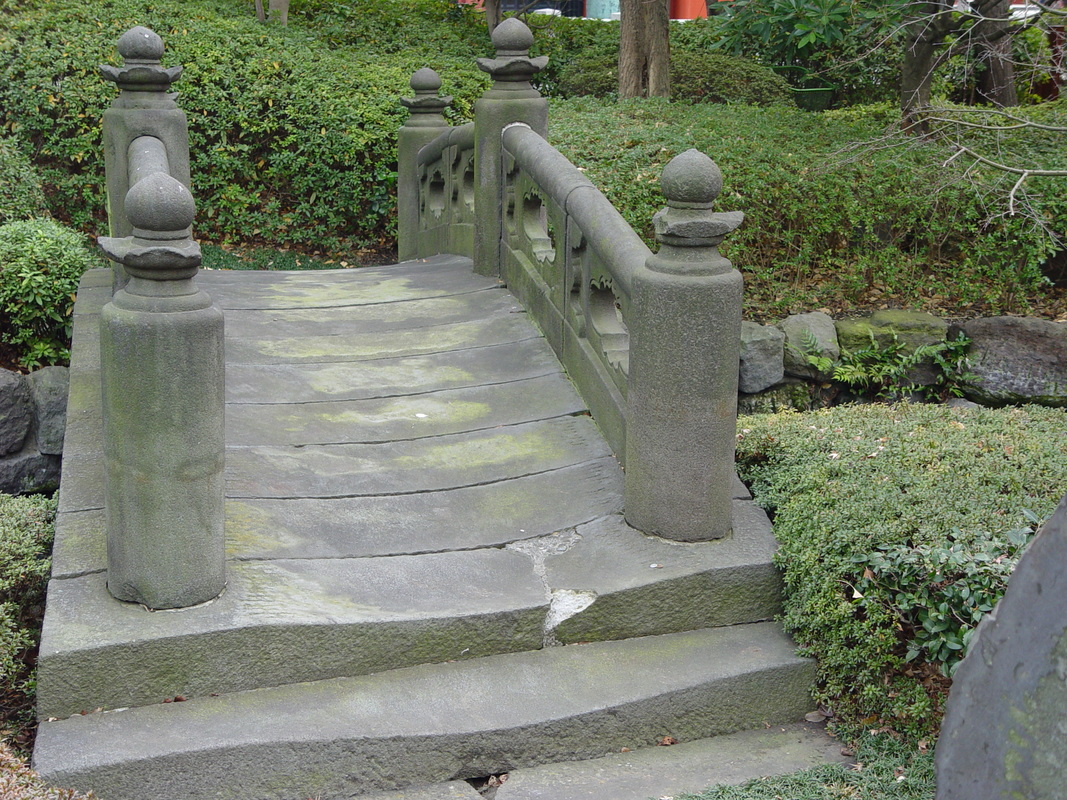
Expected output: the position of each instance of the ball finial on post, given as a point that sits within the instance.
(685, 333)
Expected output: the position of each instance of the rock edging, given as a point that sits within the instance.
(1010, 360)
(33, 411)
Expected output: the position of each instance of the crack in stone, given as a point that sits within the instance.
(563, 603)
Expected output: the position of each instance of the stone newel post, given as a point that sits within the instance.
(424, 123)
(144, 107)
(511, 99)
(685, 333)
(161, 369)
(161, 357)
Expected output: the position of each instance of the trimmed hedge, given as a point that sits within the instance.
(292, 138)
(826, 221)
(898, 528)
(41, 263)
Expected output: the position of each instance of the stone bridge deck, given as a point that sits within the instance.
(410, 480)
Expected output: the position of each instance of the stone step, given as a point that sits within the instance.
(294, 612)
(651, 772)
(431, 724)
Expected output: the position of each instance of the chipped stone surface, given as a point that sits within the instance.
(16, 411)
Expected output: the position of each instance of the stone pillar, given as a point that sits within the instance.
(511, 99)
(685, 334)
(425, 123)
(161, 353)
(145, 107)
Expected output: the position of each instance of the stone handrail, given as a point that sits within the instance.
(651, 340)
(161, 352)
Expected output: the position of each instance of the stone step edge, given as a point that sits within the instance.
(290, 621)
(339, 738)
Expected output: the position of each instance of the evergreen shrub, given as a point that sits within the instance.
(26, 532)
(718, 78)
(41, 263)
(292, 138)
(898, 526)
(21, 196)
(825, 221)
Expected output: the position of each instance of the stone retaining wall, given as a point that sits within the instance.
(33, 411)
(1012, 360)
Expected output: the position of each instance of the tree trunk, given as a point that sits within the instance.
(262, 17)
(658, 37)
(493, 14)
(644, 48)
(923, 50)
(996, 84)
(279, 11)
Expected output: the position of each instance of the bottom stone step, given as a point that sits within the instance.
(430, 724)
(662, 772)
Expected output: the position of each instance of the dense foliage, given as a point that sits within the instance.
(828, 221)
(898, 528)
(41, 262)
(292, 137)
(26, 530)
(21, 196)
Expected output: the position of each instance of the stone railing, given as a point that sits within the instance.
(650, 340)
(161, 348)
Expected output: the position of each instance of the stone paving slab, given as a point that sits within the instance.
(326, 348)
(342, 288)
(407, 467)
(385, 319)
(338, 738)
(389, 377)
(356, 527)
(418, 416)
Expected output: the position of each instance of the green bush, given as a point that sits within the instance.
(718, 78)
(292, 138)
(827, 222)
(41, 263)
(21, 196)
(891, 520)
(26, 531)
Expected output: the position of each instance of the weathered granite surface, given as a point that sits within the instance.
(1003, 733)
(762, 357)
(1017, 360)
(809, 334)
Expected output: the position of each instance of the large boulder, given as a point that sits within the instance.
(49, 387)
(913, 329)
(1017, 360)
(762, 351)
(1002, 735)
(811, 334)
(29, 471)
(16, 411)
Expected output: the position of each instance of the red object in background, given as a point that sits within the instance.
(688, 9)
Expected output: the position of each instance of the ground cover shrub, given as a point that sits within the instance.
(898, 526)
(26, 531)
(882, 768)
(41, 262)
(292, 138)
(21, 196)
(719, 78)
(828, 223)
(19, 782)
